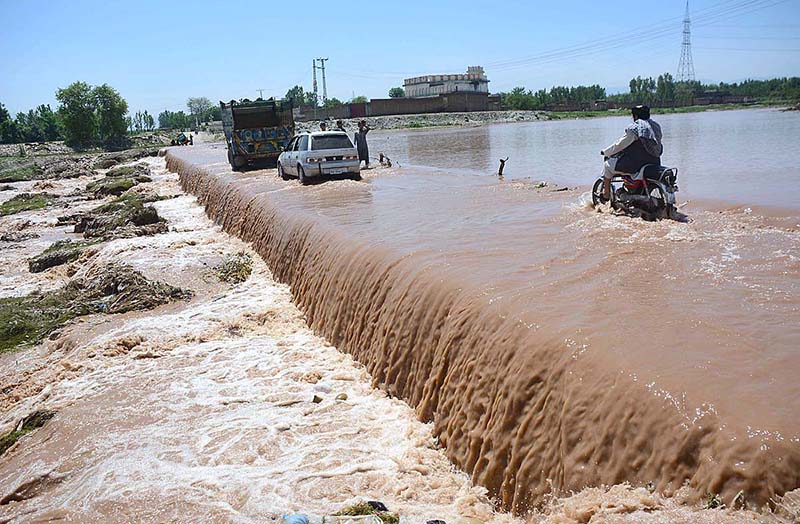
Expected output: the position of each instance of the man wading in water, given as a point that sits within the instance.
(639, 146)
(361, 142)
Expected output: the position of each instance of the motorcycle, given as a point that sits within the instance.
(649, 194)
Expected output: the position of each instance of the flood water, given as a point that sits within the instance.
(747, 157)
(552, 345)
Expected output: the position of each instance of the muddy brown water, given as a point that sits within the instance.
(553, 347)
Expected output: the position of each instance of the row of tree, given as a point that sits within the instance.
(86, 115)
(524, 99)
(301, 98)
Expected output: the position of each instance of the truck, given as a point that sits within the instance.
(256, 131)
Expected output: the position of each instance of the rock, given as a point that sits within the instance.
(341, 396)
(6, 187)
(317, 399)
(17, 236)
(113, 185)
(59, 253)
(124, 217)
(26, 202)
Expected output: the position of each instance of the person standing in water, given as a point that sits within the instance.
(323, 126)
(639, 146)
(339, 126)
(360, 139)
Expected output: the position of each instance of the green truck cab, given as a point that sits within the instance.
(256, 131)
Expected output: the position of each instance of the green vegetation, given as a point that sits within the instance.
(662, 91)
(174, 120)
(364, 508)
(123, 171)
(521, 99)
(235, 268)
(27, 425)
(37, 125)
(115, 185)
(61, 252)
(25, 321)
(141, 121)
(21, 173)
(89, 114)
(25, 202)
(397, 92)
(298, 97)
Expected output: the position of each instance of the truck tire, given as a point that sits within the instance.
(301, 175)
(230, 158)
(238, 162)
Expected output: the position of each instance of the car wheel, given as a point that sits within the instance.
(301, 175)
(282, 173)
(357, 177)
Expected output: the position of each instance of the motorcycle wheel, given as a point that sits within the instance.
(597, 193)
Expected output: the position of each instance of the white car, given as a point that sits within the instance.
(311, 155)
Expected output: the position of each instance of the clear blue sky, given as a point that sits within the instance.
(156, 54)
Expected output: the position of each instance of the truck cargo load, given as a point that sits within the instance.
(256, 131)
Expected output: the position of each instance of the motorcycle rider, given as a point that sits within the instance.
(639, 146)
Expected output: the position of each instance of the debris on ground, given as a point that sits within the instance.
(116, 288)
(124, 217)
(115, 185)
(61, 252)
(235, 268)
(21, 173)
(28, 424)
(371, 507)
(17, 236)
(26, 202)
(108, 160)
(6, 187)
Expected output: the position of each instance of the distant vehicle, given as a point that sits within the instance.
(317, 154)
(256, 131)
(180, 140)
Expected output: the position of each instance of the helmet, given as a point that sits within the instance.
(641, 112)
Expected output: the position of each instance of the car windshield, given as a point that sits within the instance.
(330, 142)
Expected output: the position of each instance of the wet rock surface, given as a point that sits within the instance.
(59, 253)
(26, 202)
(125, 216)
(115, 288)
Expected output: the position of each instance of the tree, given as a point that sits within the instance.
(77, 112)
(397, 92)
(8, 130)
(296, 96)
(199, 107)
(360, 99)
(310, 99)
(174, 120)
(332, 102)
(111, 111)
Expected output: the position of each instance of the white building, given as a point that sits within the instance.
(474, 81)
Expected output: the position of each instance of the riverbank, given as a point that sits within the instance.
(479, 118)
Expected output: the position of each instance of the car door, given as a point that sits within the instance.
(302, 149)
(288, 163)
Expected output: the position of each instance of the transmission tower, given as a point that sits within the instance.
(686, 66)
(324, 87)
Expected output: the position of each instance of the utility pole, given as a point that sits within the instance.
(314, 66)
(324, 87)
(260, 93)
(685, 65)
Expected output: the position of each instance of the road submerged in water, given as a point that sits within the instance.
(551, 346)
(203, 411)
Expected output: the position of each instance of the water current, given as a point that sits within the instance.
(555, 347)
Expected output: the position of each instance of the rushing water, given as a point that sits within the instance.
(748, 157)
(551, 345)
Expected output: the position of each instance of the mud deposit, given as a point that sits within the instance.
(553, 348)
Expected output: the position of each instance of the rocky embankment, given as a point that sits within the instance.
(431, 120)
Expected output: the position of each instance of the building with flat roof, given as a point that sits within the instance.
(474, 81)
